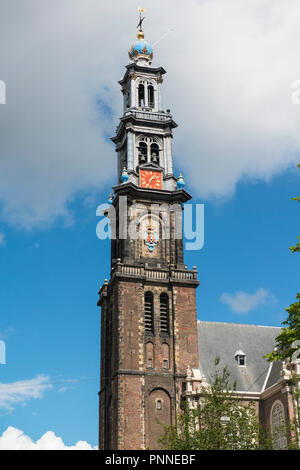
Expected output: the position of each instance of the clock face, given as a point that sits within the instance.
(150, 179)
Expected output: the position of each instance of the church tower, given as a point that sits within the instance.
(148, 307)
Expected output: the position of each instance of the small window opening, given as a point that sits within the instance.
(128, 100)
(150, 363)
(165, 364)
(242, 361)
(159, 405)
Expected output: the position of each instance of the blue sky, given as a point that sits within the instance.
(237, 145)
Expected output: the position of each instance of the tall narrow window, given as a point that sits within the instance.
(164, 313)
(165, 355)
(150, 96)
(141, 95)
(150, 355)
(142, 153)
(155, 154)
(149, 312)
(278, 425)
(127, 99)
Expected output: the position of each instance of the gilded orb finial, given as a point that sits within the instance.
(140, 35)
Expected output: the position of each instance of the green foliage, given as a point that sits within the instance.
(286, 342)
(289, 432)
(296, 248)
(219, 422)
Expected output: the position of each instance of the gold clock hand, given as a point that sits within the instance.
(150, 180)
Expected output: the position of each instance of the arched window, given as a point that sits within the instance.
(141, 91)
(154, 153)
(148, 150)
(164, 313)
(159, 412)
(151, 96)
(278, 425)
(142, 153)
(148, 313)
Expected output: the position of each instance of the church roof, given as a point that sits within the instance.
(224, 339)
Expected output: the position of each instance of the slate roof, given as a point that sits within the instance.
(224, 339)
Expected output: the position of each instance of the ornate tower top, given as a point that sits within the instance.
(141, 51)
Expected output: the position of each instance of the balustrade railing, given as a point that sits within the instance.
(147, 116)
(160, 274)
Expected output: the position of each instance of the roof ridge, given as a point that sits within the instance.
(239, 324)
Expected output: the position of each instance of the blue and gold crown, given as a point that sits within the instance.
(141, 49)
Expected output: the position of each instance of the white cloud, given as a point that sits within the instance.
(23, 390)
(241, 302)
(231, 67)
(15, 439)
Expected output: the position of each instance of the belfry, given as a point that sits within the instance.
(148, 307)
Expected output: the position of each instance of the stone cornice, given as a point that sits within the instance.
(133, 67)
(161, 195)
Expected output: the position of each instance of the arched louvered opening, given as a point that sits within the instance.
(141, 91)
(155, 153)
(164, 313)
(148, 312)
(151, 96)
(142, 153)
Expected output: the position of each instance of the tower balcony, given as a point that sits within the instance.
(152, 118)
(148, 115)
(145, 273)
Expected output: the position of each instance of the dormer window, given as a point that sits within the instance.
(240, 358)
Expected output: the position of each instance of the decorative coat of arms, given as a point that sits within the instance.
(151, 238)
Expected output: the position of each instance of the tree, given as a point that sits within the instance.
(219, 422)
(287, 342)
